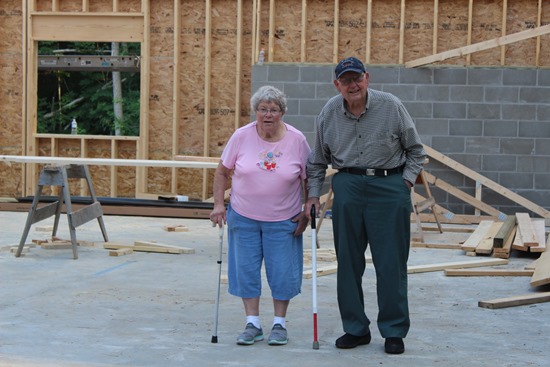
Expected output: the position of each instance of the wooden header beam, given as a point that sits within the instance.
(87, 27)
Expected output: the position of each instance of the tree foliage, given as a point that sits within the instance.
(86, 96)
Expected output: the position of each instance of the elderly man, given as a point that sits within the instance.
(370, 138)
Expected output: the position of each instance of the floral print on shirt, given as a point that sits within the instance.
(268, 160)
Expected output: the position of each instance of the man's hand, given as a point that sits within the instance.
(309, 203)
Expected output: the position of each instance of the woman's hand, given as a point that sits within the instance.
(218, 215)
(302, 223)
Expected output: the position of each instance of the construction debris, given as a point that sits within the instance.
(147, 246)
(541, 275)
(176, 228)
(522, 300)
(456, 265)
(488, 272)
(321, 270)
(121, 252)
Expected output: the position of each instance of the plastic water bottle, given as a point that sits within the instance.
(74, 127)
(261, 57)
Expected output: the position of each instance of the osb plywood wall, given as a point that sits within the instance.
(198, 96)
(11, 82)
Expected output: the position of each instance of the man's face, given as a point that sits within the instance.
(353, 86)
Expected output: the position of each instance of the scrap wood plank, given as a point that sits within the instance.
(456, 265)
(324, 270)
(527, 299)
(150, 246)
(458, 219)
(528, 235)
(448, 246)
(538, 226)
(14, 249)
(121, 252)
(485, 245)
(144, 246)
(448, 229)
(517, 244)
(57, 244)
(487, 272)
(505, 232)
(532, 266)
(541, 275)
(471, 243)
(176, 228)
(504, 252)
(116, 246)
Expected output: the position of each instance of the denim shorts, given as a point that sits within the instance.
(252, 242)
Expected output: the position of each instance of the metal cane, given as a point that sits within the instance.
(215, 335)
(314, 275)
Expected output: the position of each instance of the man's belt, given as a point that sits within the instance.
(372, 171)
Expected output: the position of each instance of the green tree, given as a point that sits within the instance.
(86, 96)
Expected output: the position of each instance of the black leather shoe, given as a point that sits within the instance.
(394, 346)
(348, 341)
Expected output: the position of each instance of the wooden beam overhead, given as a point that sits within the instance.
(480, 46)
(87, 27)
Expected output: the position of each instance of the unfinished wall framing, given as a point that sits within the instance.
(196, 67)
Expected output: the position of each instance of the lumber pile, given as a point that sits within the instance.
(517, 232)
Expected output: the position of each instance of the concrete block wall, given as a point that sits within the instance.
(495, 121)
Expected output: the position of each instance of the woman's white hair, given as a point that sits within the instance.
(268, 93)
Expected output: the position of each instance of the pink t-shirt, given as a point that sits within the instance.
(266, 181)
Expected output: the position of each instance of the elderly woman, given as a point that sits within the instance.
(266, 162)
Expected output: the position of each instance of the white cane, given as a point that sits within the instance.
(314, 276)
(215, 335)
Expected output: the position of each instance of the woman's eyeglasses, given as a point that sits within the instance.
(354, 79)
(265, 111)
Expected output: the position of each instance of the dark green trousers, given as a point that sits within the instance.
(375, 211)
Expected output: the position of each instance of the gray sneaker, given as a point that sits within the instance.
(278, 335)
(250, 335)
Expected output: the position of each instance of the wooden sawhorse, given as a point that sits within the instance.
(59, 176)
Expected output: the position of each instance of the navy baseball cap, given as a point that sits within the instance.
(349, 64)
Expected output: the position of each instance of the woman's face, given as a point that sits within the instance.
(268, 117)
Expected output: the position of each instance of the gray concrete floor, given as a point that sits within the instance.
(149, 309)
